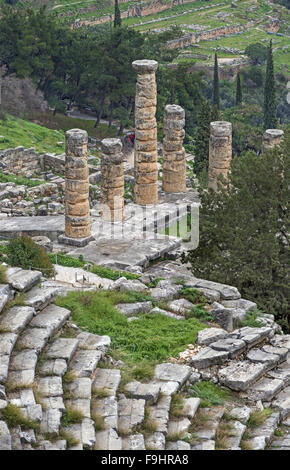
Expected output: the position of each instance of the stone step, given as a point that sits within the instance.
(84, 362)
(155, 441)
(178, 427)
(5, 437)
(108, 440)
(208, 420)
(6, 294)
(133, 442)
(148, 391)
(7, 342)
(15, 319)
(282, 402)
(52, 318)
(131, 412)
(21, 279)
(84, 433)
(91, 341)
(41, 297)
(106, 382)
(62, 348)
(158, 414)
(106, 409)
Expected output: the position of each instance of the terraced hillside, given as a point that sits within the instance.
(235, 24)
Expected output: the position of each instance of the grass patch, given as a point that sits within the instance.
(3, 276)
(99, 423)
(13, 417)
(68, 377)
(176, 406)
(18, 301)
(70, 440)
(71, 417)
(224, 432)
(148, 426)
(69, 261)
(100, 393)
(210, 394)
(251, 319)
(258, 417)
(148, 339)
(19, 180)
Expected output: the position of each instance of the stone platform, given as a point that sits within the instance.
(134, 241)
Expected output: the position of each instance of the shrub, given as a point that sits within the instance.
(23, 252)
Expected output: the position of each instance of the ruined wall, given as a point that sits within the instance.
(138, 10)
(194, 38)
(20, 161)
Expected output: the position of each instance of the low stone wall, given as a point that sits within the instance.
(20, 161)
(138, 10)
(194, 38)
(28, 162)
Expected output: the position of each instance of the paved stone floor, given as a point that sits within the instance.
(133, 242)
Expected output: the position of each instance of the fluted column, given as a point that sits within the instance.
(271, 138)
(77, 209)
(146, 171)
(112, 180)
(220, 151)
(174, 163)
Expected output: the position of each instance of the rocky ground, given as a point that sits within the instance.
(69, 390)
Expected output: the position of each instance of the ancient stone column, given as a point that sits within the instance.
(146, 172)
(112, 180)
(271, 138)
(77, 209)
(220, 151)
(174, 163)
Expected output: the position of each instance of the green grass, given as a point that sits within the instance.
(210, 394)
(258, 417)
(13, 417)
(16, 132)
(3, 277)
(251, 319)
(71, 417)
(148, 339)
(69, 261)
(19, 180)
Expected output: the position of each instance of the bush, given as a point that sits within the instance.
(26, 254)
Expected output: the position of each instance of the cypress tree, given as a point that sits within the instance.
(117, 18)
(216, 88)
(239, 96)
(202, 138)
(270, 106)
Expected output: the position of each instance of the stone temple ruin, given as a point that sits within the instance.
(103, 225)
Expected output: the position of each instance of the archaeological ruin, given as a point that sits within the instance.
(146, 172)
(271, 138)
(112, 180)
(220, 151)
(174, 162)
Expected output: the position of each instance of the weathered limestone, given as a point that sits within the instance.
(77, 209)
(112, 180)
(174, 163)
(271, 138)
(146, 171)
(220, 151)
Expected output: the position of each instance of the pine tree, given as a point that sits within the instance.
(270, 106)
(243, 231)
(239, 96)
(216, 88)
(117, 18)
